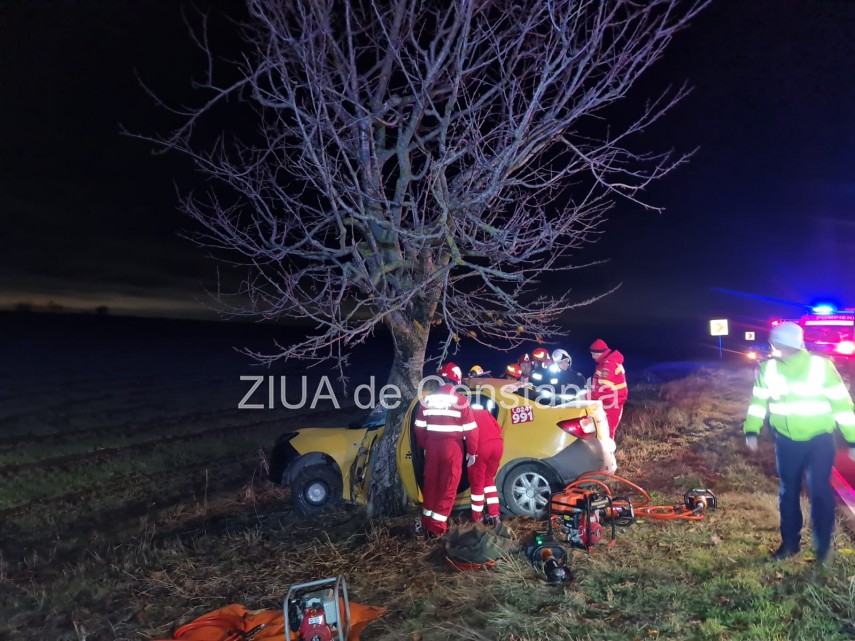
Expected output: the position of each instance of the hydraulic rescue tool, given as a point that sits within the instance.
(582, 516)
(314, 610)
(547, 556)
(699, 500)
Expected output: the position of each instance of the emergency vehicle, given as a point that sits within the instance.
(830, 332)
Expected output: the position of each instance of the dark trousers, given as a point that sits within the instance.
(795, 459)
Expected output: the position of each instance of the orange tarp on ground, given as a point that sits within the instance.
(227, 624)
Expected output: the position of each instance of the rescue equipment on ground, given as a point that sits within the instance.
(237, 623)
(318, 609)
(700, 499)
(581, 516)
(545, 553)
(625, 511)
(475, 547)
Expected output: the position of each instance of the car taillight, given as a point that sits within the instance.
(579, 427)
(847, 348)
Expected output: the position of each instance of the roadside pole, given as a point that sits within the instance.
(718, 327)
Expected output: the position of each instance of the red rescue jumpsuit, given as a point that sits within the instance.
(609, 386)
(443, 421)
(482, 473)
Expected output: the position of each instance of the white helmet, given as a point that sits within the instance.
(560, 355)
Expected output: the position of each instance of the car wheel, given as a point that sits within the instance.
(526, 489)
(316, 489)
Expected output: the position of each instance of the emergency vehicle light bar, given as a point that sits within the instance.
(846, 323)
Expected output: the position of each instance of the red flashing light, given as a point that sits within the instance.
(775, 323)
(579, 427)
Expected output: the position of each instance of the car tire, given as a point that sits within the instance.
(316, 489)
(526, 489)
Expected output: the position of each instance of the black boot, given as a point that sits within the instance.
(783, 552)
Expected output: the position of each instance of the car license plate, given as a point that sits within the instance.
(522, 415)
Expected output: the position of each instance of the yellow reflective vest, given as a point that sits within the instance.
(803, 396)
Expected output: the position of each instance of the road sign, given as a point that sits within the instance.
(718, 327)
(749, 336)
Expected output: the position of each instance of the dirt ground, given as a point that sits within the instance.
(134, 502)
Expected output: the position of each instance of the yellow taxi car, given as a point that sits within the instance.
(546, 445)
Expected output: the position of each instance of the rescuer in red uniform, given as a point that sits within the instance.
(609, 382)
(482, 474)
(446, 430)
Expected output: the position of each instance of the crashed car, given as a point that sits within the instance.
(545, 447)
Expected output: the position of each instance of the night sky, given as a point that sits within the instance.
(766, 207)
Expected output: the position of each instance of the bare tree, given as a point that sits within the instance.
(418, 162)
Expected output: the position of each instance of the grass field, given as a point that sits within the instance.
(124, 525)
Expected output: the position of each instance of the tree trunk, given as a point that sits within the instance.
(387, 497)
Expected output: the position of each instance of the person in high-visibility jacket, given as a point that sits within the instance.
(446, 430)
(482, 473)
(802, 397)
(609, 382)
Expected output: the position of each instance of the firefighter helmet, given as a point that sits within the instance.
(514, 371)
(476, 370)
(560, 355)
(524, 358)
(540, 355)
(451, 372)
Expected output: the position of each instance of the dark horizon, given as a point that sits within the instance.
(766, 207)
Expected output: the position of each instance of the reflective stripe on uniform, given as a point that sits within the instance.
(800, 408)
(426, 512)
(757, 411)
(469, 426)
(619, 369)
(438, 517)
(440, 401)
(846, 419)
(433, 427)
(420, 423)
(492, 499)
(492, 488)
(477, 508)
(779, 386)
(775, 383)
(760, 393)
(836, 392)
(451, 413)
(477, 497)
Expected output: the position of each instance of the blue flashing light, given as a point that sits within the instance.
(824, 308)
